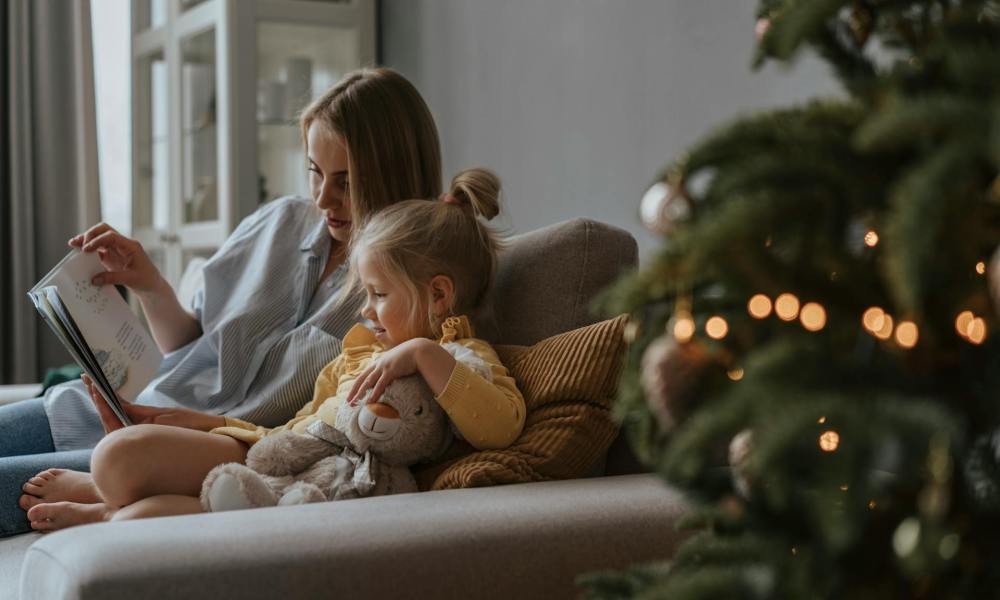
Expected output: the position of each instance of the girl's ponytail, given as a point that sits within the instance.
(478, 188)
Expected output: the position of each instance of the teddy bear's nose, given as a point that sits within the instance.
(383, 411)
(379, 421)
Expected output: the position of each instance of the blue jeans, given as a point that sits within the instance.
(25, 449)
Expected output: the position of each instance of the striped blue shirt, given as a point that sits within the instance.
(267, 330)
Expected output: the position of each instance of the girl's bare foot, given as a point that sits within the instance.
(52, 516)
(59, 485)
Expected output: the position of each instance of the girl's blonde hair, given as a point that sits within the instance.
(392, 142)
(414, 241)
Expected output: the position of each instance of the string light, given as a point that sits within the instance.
(813, 316)
(873, 319)
(907, 334)
(683, 327)
(829, 440)
(787, 307)
(977, 331)
(962, 322)
(970, 327)
(877, 322)
(981, 268)
(886, 330)
(735, 374)
(716, 328)
(759, 306)
(871, 238)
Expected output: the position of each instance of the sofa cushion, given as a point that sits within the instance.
(568, 382)
(547, 278)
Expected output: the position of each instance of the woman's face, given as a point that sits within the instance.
(328, 179)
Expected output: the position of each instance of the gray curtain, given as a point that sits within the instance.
(48, 165)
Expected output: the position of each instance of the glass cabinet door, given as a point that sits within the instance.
(150, 14)
(199, 133)
(296, 63)
(151, 204)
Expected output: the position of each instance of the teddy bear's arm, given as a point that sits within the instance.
(287, 453)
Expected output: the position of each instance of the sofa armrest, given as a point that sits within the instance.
(10, 394)
(516, 541)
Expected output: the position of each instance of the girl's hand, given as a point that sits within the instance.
(391, 365)
(177, 417)
(125, 260)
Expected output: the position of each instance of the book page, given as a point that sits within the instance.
(120, 344)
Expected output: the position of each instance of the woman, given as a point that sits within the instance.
(270, 314)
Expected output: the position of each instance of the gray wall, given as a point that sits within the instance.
(578, 103)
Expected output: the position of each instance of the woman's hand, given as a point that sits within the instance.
(129, 265)
(176, 417)
(391, 365)
(125, 260)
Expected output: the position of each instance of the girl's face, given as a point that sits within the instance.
(388, 305)
(328, 179)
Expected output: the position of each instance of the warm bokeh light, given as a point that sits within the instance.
(822, 420)
(886, 331)
(872, 504)
(907, 334)
(735, 374)
(683, 328)
(716, 328)
(977, 331)
(759, 306)
(981, 268)
(787, 307)
(813, 316)
(871, 238)
(962, 322)
(873, 319)
(829, 440)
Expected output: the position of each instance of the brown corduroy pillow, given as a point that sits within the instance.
(568, 382)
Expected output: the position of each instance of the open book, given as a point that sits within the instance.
(98, 328)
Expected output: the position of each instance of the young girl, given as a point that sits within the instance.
(268, 318)
(422, 265)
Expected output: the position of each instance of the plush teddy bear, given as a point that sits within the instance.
(367, 454)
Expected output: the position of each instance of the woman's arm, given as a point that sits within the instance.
(177, 417)
(172, 326)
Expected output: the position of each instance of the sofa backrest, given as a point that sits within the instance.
(547, 279)
(546, 282)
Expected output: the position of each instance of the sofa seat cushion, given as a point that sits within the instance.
(568, 382)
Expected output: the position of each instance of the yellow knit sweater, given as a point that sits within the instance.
(489, 415)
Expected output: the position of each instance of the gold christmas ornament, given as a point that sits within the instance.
(670, 374)
(739, 450)
(760, 28)
(664, 207)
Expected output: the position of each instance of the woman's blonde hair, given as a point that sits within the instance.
(392, 142)
(414, 241)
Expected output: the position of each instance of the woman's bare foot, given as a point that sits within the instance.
(59, 485)
(52, 516)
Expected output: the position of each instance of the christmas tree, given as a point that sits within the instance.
(814, 353)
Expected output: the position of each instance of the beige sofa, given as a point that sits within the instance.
(516, 541)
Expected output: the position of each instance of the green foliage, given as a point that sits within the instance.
(873, 469)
